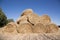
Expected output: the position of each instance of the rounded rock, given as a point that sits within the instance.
(45, 19)
(39, 28)
(27, 11)
(33, 18)
(24, 28)
(10, 28)
(52, 28)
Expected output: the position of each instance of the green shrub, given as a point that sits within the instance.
(3, 18)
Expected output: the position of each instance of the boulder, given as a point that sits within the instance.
(45, 19)
(27, 12)
(33, 19)
(39, 28)
(22, 19)
(52, 28)
(28, 16)
(10, 28)
(24, 28)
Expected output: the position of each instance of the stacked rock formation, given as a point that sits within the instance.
(30, 26)
(29, 22)
(38, 24)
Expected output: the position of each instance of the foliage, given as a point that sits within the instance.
(10, 20)
(3, 18)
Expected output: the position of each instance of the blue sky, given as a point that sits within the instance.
(14, 8)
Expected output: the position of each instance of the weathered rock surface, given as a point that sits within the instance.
(52, 28)
(10, 28)
(33, 18)
(27, 12)
(45, 19)
(39, 28)
(30, 37)
(22, 20)
(25, 28)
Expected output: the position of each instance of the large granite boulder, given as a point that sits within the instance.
(33, 18)
(28, 16)
(27, 12)
(25, 28)
(10, 28)
(22, 19)
(52, 28)
(39, 28)
(45, 19)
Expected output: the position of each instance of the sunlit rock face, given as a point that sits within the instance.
(10, 28)
(33, 18)
(45, 19)
(30, 26)
(30, 37)
(27, 12)
(39, 28)
(52, 28)
(22, 19)
(25, 28)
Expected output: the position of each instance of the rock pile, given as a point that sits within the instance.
(39, 24)
(27, 25)
(29, 22)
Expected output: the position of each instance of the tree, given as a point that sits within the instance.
(10, 20)
(3, 18)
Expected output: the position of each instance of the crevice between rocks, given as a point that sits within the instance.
(29, 21)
